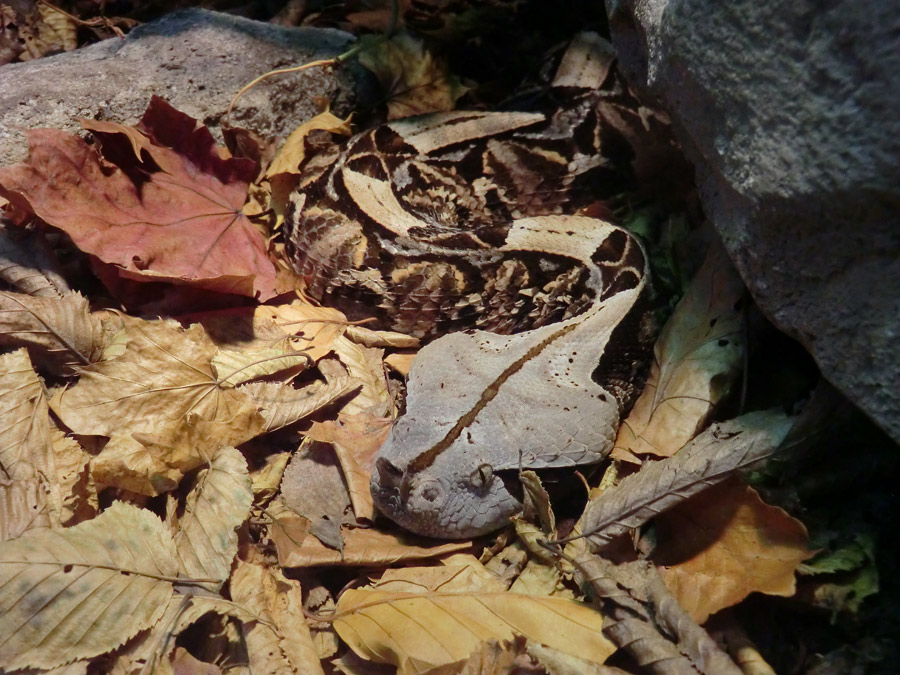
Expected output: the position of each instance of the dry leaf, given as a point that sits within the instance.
(234, 366)
(26, 262)
(28, 451)
(725, 543)
(356, 439)
(366, 367)
(281, 404)
(206, 541)
(149, 652)
(711, 458)
(279, 642)
(23, 507)
(170, 213)
(107, 579)
(60, 333)
(315, 328)
(415, 80)
(419, 631)
(361, 546)
(696, 359)
(458, 573)
(292, 153)
(312, 487)
(183, 663)
(25, 442)
(381, 338)
(642, 617)
(161, 405)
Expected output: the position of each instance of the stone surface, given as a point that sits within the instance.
(197, 60)
(789, 113)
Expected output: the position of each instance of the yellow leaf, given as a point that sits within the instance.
(314, 328)
(416, 632)
(458, 573)
(60, 333)
(279, 642)
(696, 359)
(160, 394)
(206, 541)
(293, 152)
(79, 592)
(366, 367)
(42, 467)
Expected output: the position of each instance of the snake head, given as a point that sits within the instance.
(438, 503)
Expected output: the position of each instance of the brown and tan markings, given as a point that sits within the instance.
(455, 225)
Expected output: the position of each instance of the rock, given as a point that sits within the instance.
(197, 60)
(789, 113)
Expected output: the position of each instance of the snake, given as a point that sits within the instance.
(462, 228)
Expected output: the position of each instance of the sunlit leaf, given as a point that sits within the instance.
(79, 592)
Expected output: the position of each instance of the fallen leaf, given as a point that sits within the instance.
(60, 333)
(25, 442)
(415, 80)
(32, 454)
(161, 405)
(184, 663)
(279, 642)
(315, 329)
(107, 579)
(711, 458)
(725, 543)
(697, 358)
(419, 631)
(361, 546)
(313, 487)
(366, 366)
(356, 440)
(170, 212)
(459, 573)
(280, 404)
(206, 541)
(237, 366)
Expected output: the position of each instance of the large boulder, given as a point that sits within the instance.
(197, 60)
(789, 113)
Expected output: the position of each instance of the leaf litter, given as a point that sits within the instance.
(204, 471)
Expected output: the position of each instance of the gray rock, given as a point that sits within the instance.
(789, 113)
(197, 60)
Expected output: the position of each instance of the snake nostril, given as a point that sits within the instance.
(430, 493)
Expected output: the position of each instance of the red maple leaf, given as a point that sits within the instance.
(160, 202)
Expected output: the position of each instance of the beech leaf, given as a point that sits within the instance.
(60, 333)
(696, 359)
(79, 592)
(159, 202)
(206, 541)
(420, 631)
(711, 458)
(279, 642)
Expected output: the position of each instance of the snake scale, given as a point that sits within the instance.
(458, 228)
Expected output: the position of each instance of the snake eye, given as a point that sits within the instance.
(482, 476)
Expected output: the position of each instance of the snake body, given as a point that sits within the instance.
(457, 225)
